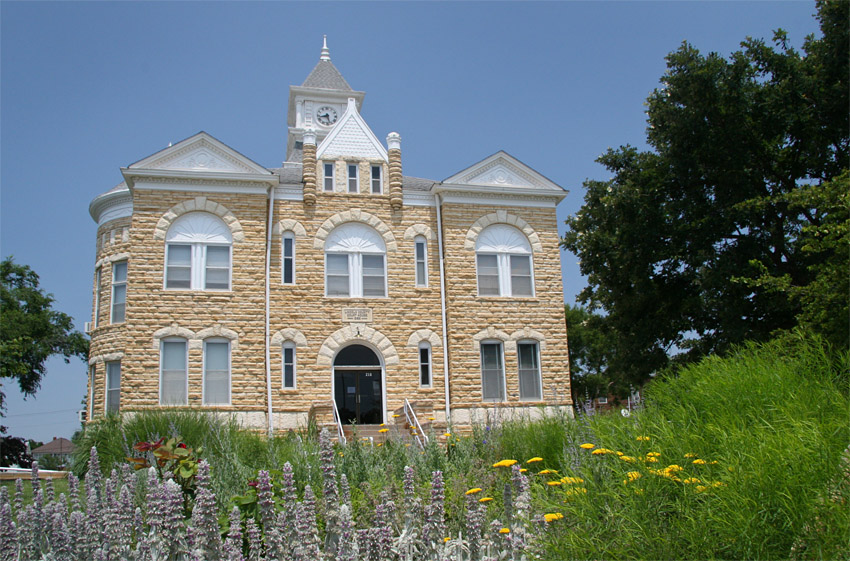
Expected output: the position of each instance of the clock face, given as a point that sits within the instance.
(326, 115)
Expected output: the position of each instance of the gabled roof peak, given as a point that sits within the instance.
(325, 75)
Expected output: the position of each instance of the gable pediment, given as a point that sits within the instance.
(200, 153)
(351, 137)
(502, 170)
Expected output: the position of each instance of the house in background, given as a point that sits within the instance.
(56, 452)
(333, 285)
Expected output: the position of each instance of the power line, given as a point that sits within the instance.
(43, 412)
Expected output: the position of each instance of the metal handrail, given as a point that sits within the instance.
(339, 432)
(408, 413)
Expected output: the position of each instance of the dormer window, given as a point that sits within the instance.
(353, 183)
(377, 187)
(328, 176)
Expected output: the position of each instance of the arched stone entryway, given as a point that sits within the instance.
(358, 385)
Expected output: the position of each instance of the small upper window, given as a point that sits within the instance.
(425, 364)
(328, 168)
(421, 250)
(503, 258)
(119, 291)
(197, 253)
(377, 187)
(97, 287)
(288, 365)
(288, 248)
(353, 181)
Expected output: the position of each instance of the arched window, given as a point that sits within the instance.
(288, 365)
(288, 257)
(421, 256)
(355, 262)
(173, 380)
(424, 364)
(197, 253)
(503, 258)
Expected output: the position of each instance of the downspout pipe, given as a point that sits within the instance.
(268, 312)
(439, 202)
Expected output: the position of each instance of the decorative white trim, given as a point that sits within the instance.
(354, 215)
(527, 333)
(290, 225)
(351, 137)
(419, 230)
(111, 205)
(199, 204)
(289, 193)
(112, 259)
(110, 357)
(491, 332)
(200, 152)
(423, 335)
(502, 217)
(289, 334)
(517, 200)
(218, 331)
(356, 333)
(201, 185)
(172, 330)
(503, 170)
(418, 198)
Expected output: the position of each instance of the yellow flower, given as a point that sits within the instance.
(446, 539)
(634, 475)
(619, 453)
(653, 454)
(691, 480)
(587, 446)
(384, 430)
(553, 483)
(534, 459)
(504, 530)
(576, 491)
(627, 458)
(485, 499)
(504, 463)
(690, 455)
(571, 480)
(430, 418)
(447, 434)
(652, 459)
(642, 439)
(382, 425)
(718, 484)
(699, 461)
(673, 468)
(552, 516)
(545, 471)
(638, 491)
(522, 470)
(396, 415)
(713, 462)
(380, 444)
(407, 444)
(473, 491)
(701, 488)
(602, 451)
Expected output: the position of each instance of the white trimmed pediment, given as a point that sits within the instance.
(351, 137)
(502, 170)
(200, 153)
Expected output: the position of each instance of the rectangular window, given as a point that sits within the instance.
(377, 187)
(602, 400)
(488, 275)
(216, 372)
(289, 366)
(288, 258)
(425, 365)
(113, 386)
(529, 372)
(353, 183)
(173, 373)
(337, 275)
(373, 275)
(178, 271)
(92, 376)
(217, 270)
(119, 291)
(329, 176)
(521, 275)
(97, 287)
(492, 372)
(421, 263)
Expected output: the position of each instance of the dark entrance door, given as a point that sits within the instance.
(357, 386)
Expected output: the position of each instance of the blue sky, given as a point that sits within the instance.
(88, 87)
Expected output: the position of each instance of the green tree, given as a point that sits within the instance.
(31, 331)
(589, 347)
(679, 245)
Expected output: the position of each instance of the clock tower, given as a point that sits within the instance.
(318, 103)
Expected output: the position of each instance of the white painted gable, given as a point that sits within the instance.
(502, 170)
(201, 153)
(351, 137)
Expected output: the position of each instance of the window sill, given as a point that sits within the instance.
(507, 298)
(197, 291)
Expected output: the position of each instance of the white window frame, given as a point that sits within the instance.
(518, 248)
(426, 346)
(420, 241)
(98, 286)
(92, 376)
(217, 341)
(162, 343)
(199, 231)
(288, 236)
(328, 181)
(353, 181)
(357, 243)
(289, 346)
(115, 284)
(536, 345)
(377, 181)
(602, 401)
(504, 390)
(109, 368)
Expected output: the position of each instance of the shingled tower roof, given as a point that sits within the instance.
(325, 75)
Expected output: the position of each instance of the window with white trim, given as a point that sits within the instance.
(353, 180)
(97, 286)
(113, 386)
(288, 371)
(173, 378)
(216, 371)
(119, 291)
(528, 359)
(328, 176)
(503, 258)
(492, 371)
(424, 364)
(288, 258)
(421, 257)
(197, 253)
(377, 180)
(355, 262)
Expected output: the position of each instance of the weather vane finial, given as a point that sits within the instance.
(326, 54)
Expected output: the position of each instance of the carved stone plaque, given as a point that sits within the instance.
(357, 315)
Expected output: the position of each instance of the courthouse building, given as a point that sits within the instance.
(275, 293)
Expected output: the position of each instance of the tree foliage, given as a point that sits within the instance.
(31, 331)
(687, 246)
